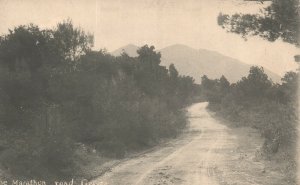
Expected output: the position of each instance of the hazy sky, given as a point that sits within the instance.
(161, 23)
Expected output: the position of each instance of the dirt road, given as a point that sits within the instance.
(209, 153)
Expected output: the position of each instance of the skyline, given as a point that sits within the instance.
(115, 24)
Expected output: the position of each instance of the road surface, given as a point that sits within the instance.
(209, 153)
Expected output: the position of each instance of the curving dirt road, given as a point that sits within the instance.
(209, 153)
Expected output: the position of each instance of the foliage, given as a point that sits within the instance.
(257, 102)
(279, 20)
(55, 92)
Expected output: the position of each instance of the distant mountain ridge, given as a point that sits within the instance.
(196, 63)
(130, 49)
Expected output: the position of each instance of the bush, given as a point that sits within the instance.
(256, 102)
(55, 94)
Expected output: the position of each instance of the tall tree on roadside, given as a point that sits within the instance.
(151, 76)
(280, 20)
(72, 41)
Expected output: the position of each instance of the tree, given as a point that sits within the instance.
(224, 85)
(173, 72)
(174, 80)
(148, 56)
(25, 47)
(30, 59)
(280, 20)
(211, 89)
(150, 75)
(56, 92)
(30, 48)
(290, 86)
(255, 85)
(71, 41)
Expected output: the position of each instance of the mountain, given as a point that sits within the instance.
(197, 63)
(130, 49)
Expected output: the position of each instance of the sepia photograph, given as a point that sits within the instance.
(149, 92)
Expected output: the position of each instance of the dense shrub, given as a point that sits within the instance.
(257, 102)
(56, 93)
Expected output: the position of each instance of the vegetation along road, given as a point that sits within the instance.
(208, 153)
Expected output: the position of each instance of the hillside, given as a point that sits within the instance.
(130, 49)
(197, 63)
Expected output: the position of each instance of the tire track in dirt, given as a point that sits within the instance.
(207, 154)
